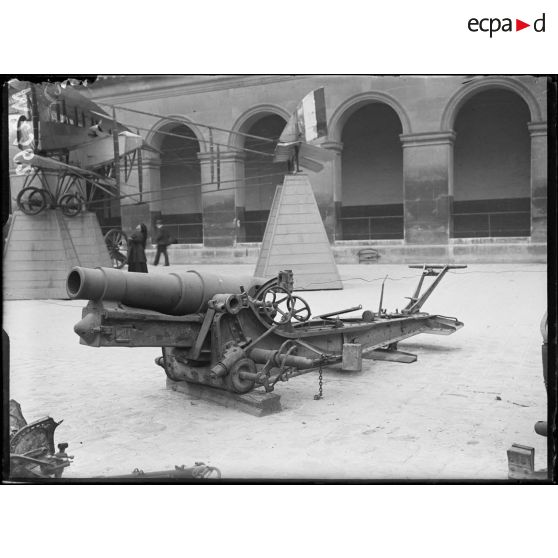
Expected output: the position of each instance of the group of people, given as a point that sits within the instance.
(137, 260)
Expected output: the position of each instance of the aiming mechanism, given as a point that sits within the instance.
(238, 334)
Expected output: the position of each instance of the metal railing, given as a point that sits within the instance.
(390, 227)
(385, 227)
(491, 224)
(190, 233)
(254, 230)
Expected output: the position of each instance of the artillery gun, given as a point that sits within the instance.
(32, 453)
(237, 334)
(32, 456)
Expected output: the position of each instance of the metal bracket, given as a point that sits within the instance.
(521, 464)
(428, 270)
(204, 330)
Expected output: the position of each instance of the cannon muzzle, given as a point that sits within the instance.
(174, 293)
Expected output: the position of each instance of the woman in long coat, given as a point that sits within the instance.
(137, 261)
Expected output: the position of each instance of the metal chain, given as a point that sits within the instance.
(320, 384)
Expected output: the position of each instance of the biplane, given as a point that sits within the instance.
(71, 152)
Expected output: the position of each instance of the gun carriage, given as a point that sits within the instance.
(237, 334)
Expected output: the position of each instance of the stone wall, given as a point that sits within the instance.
(427, 108)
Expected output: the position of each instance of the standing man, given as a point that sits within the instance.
(162, 239)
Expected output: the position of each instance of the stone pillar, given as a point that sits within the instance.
(334, 227)
(152, 193)
(232, 176)
(539, 149)
(218, 204)
(134, 208)
(428, 186)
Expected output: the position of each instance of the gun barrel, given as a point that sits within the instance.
(173, 293)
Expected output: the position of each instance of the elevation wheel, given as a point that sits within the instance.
(276, 305)
(300, 311)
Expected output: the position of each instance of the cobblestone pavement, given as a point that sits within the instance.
(450, 415)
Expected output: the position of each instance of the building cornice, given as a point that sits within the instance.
(537, 128)
(428, 138)
(336, 146)
(156, 87)
(224, 156)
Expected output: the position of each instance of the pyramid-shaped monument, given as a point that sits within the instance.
(295, 238)
(40, 251)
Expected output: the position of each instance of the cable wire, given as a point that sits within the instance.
(184, 121)
(181, 187)
(388, 278)
(206, 141)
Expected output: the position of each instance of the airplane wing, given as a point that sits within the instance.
(49, 163)
(56, 116)
(100, 151)
(312, 157)
(74, 97)
(107, 120)
(127, 131)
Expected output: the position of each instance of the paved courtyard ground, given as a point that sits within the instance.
(450, 415)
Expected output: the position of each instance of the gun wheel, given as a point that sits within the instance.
(116, 241)
(235, 382)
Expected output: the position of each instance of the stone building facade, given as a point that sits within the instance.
(435, 167)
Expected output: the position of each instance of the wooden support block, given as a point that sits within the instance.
(352, 357)
(257, 403)
(521, 464)
(392, 356)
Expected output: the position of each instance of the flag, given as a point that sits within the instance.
(308, 123)
(311, 116)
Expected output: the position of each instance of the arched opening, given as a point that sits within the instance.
(181, 209)
(492, 154)
(262, 175)
(372, 175)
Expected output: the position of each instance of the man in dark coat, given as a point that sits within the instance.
(137, 261)
(162, 239)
